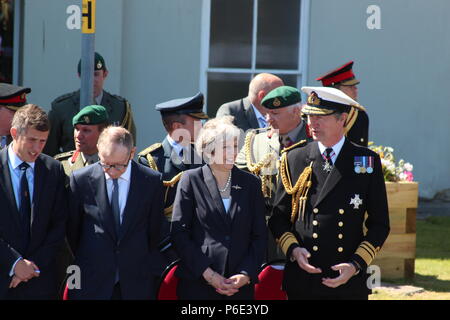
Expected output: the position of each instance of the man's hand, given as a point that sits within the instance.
(346, 271)
(302, 255)
(15, 282)
(25, 270)
(239, 280)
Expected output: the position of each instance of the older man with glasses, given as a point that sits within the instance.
(116, 223)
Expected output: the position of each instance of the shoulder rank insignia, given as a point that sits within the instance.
(64, 155)
(150, 149)
(295, 145)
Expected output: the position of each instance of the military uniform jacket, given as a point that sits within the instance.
(65, 107)
(162, 158)
(332, 226)
(261, 153)
(359, 132)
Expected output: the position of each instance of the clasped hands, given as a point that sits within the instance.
(225, 286)
(24, 270)
(346, 270)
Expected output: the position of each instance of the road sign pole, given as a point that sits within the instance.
(87, 53)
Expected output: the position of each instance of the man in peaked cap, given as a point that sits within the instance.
(11, 99)
(65, 107)
(88, 124)
(324, 192)
(261, 152)
(182, 120)
(344, 79)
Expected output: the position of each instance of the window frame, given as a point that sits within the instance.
(301, 72)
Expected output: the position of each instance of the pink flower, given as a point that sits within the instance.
(409, 175)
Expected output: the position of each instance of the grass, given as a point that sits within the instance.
(432, 270)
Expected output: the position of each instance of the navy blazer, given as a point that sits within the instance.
(48, 218)
(98, 251)
(204, 235)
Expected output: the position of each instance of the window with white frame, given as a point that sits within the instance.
(242, 38)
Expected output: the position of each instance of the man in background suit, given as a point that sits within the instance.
(33, 210)
(248, 112)
(115, 223)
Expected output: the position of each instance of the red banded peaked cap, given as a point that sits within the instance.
(343, 75)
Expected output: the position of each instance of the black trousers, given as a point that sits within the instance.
(117, 293)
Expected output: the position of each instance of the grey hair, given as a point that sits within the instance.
(215, 132)
(116, 136)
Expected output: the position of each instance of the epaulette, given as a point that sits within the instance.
(64, 97)
(301, 143)
(150, 149)
(64, 155)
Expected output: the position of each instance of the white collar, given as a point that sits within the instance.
(336, 148)
(125, 176)
(99, 98)
(14, 158)
(175, 145)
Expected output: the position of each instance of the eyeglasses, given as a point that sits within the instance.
(118, 167)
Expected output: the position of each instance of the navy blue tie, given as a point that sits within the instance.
(25, 203)
(115, 205)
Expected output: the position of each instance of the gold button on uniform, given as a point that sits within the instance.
(315, 248)
(340, 236)
(340, 224)
(315, 235)
(340, 249)
(341, 211)
(315, 210)
(315, 223)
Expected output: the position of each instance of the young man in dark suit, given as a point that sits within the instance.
(33, 210)
(325, 190)
(116, 223)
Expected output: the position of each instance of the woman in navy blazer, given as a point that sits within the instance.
(218, 226)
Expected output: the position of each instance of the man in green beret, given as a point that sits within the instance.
(262, 149)
(87, 126)
(65, 107)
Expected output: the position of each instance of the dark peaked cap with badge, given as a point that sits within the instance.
(326, 100)
(281, 97)
(13, 97)
(91, 115)
(341, 76)
(192, 106)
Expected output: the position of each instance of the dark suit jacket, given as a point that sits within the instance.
(98, 251)
(242, 111)
(205, 235)
(329, 204)
(47, 229)
(65, 107)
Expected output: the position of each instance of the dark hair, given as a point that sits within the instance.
(169, 119)
(30, 116)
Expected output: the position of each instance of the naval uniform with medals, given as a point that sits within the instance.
(320, 205)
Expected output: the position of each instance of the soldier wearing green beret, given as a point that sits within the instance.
(262, 149)
(87, 126)
(65, 107)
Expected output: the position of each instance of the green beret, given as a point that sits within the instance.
(281, 97)
(91, 115)
(99, 63)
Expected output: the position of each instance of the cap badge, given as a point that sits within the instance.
(99, 65)
(276, 102)
(22, 96)
(313, 99)
(86, 119)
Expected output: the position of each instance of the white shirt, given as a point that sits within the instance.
(261, 119)
(124, 187)
(336, 148)
(175, 145)
(99, 98)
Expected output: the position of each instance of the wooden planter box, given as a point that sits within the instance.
(396, 258)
